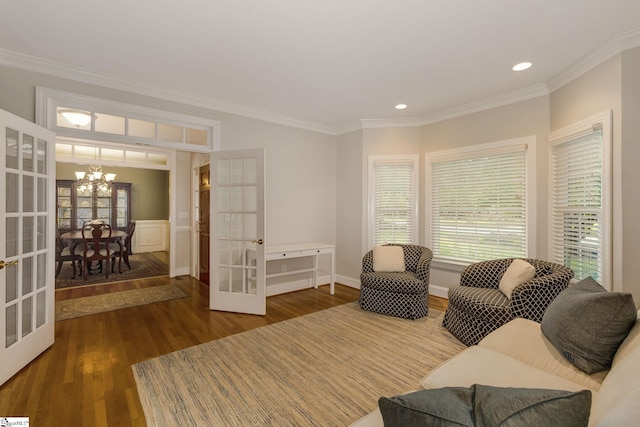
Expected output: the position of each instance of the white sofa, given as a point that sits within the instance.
(519, 355)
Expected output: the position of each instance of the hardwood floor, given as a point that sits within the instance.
(85, 378)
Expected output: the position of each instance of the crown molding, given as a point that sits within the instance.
(618, 44)
(525, 94)
(57, 69)
(348, 128)
(389, 123)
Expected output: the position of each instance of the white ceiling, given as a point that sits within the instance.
(330, 63)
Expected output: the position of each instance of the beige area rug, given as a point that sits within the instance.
(324, 369)
(85, 306)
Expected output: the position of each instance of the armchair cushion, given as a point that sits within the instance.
(519, 271)
(587, 324)
(388, 259)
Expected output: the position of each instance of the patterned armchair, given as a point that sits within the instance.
(404, 294)
(477, 307)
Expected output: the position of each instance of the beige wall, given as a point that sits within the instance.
(630, 167)
(301, 178)
(149, 192)
(349, 205)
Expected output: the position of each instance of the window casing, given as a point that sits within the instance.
(480, 201)
(581, 198)
(393, 199)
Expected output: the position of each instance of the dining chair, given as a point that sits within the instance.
(63, 254)
(123, 251)
(97, 238)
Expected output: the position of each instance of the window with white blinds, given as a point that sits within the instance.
(579, 203)
(393, 199)
(478, 202)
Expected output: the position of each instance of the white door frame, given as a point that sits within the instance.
(197, 161)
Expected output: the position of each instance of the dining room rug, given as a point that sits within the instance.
(85, 306)
(143, 264)
(324, 369)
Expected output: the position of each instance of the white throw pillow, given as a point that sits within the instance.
(388, 258)
(518, 272)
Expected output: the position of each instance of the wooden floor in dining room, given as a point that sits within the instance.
(85, 378)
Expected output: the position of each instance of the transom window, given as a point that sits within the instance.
(77, 116)
(78, 152)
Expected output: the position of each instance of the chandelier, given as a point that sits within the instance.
(94, 179)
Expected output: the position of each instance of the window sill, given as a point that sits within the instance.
(449, 264)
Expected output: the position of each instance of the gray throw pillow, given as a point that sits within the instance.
(445, 407)
(587, 324)
(521, 407)
(485, 406)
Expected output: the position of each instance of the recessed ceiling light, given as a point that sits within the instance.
(522, 66)
(401, 106)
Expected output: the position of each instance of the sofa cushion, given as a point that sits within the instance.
(523, 340)
(388, 259)
(519, 271)
(587, 324)
(482, 405)
(480, 365)
(618, 397)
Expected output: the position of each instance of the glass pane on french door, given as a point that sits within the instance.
(237, 201)
(27, 174)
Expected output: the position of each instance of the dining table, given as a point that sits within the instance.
(74, 238)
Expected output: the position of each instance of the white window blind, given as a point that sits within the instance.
(577, 204)
(478, 205)
(393, 200)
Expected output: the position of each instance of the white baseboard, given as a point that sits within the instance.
(183, 271)
(439, 291)
(348, 281)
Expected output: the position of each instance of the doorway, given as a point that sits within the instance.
(204, 237)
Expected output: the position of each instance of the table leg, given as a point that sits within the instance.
(315, 271)
(72, 249)
(332, 286)
(121, 255)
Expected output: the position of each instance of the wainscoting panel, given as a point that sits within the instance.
(150, 236)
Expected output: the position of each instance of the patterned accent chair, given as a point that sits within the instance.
(404, 294)
(477, 307)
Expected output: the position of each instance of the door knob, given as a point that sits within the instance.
(259, 241)
(8, 264)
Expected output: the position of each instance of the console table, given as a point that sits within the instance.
(298, 250)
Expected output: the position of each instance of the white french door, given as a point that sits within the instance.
(238, 232)
(27, 173)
